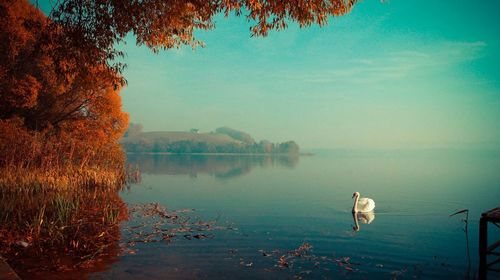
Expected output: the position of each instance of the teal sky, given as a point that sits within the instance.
(397, 74)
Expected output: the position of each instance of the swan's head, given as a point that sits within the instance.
(355, 194)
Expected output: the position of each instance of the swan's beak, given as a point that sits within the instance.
(353, 195)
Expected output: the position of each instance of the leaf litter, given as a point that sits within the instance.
(152, 222)
(303, 262)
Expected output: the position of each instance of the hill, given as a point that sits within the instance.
(174, 136)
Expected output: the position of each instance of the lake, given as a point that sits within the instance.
(291, 217)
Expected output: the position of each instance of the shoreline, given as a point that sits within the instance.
(221, 154)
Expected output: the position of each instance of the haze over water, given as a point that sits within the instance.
(274, 207)
(397, 74)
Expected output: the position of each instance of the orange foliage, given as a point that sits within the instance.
(60, 162)
(166, 24)
(58, 104)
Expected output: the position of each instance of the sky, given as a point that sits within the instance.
(389, 75)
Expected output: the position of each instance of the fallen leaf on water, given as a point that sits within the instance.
(282, 261)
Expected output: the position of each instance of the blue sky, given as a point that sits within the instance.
(397, 74)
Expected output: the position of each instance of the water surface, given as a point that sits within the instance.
(275, 205)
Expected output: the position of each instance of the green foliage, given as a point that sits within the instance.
(173, 142)
(236, 134)
(289, 147)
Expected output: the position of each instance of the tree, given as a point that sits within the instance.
(236, 134)
(52, 86)
(265, 146)
(289, 147)
(165, 24)
(46, 77)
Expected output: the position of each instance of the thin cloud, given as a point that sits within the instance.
(398, 65)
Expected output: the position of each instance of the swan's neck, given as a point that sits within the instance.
(355, 207)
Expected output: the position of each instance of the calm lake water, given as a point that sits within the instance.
(269, 207)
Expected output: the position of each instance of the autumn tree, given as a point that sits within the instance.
(164, 24)
(46, 77)
(54, 86)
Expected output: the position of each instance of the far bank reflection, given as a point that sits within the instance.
(220, 166)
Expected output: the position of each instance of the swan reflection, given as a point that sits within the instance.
(362, 217)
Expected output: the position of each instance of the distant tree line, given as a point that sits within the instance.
(191, 146)
(236, 134)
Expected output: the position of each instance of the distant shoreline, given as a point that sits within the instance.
(221, 154)
(223, 141)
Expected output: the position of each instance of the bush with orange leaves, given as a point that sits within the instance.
(56, 160)
(60, 109)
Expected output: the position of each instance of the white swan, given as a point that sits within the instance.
(363, 204)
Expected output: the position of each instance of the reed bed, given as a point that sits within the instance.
(54, 215)
(34, 181)
(61, 218)
(59, 197)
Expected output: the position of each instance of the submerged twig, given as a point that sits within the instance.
(466, 230)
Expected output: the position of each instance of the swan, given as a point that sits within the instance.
(363, 204)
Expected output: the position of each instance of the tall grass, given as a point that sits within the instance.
(69, 223)
(59, 195)
(36, 180)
